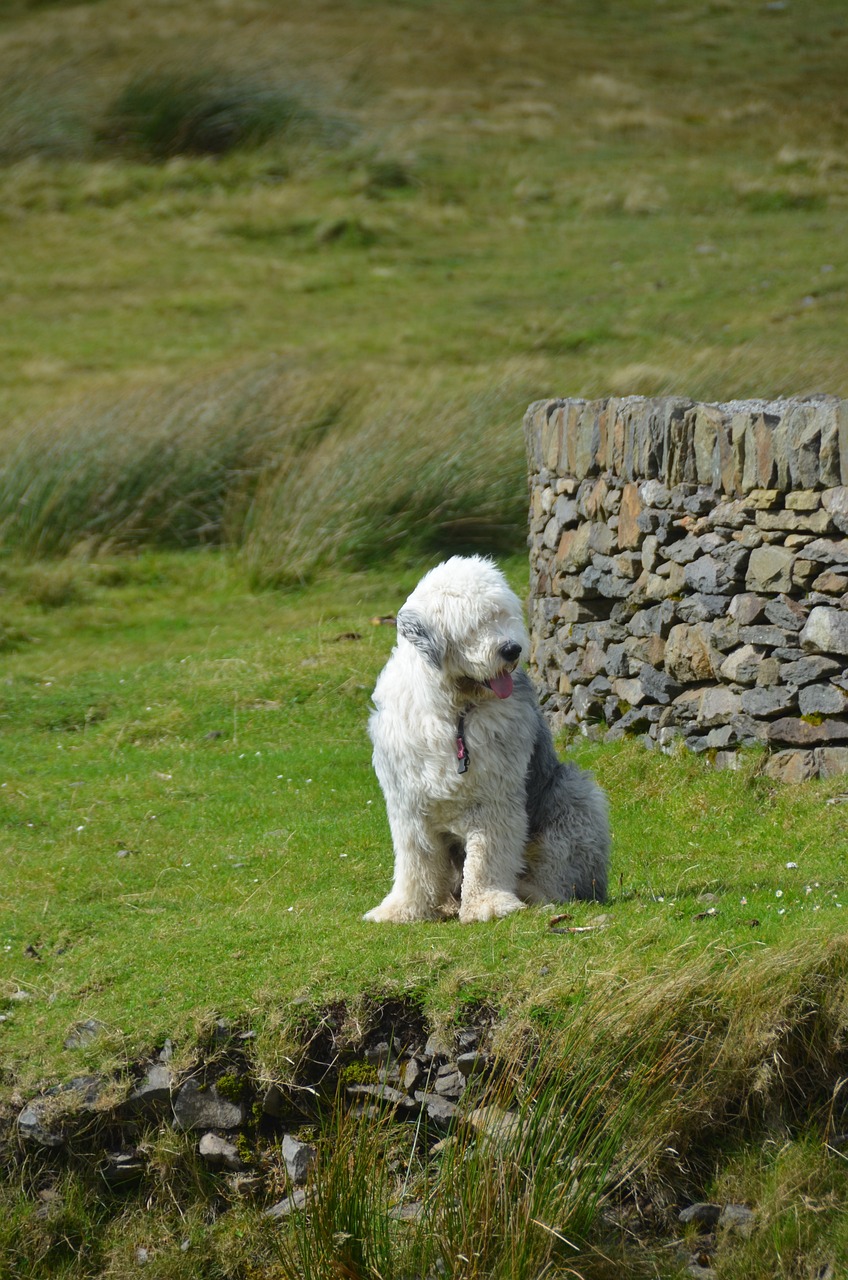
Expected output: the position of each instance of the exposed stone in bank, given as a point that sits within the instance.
(689, 574)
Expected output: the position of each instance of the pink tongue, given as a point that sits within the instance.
(501, 685)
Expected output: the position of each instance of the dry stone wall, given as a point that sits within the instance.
(689, 574)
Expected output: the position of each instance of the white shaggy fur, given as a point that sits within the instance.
(517, 826)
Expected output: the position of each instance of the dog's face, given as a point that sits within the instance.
(468, 624)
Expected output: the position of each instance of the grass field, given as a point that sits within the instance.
(278, 283)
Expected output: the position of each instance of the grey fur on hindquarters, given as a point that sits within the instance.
(484, 817)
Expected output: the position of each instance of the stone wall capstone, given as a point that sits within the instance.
(689, 574)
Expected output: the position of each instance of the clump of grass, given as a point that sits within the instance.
(292, 472)
(161, 114)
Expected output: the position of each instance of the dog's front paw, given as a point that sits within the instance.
(489, 906)
(400, 911)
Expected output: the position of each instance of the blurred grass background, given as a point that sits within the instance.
(289, 274)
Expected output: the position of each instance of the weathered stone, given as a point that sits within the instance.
(763, 499)
(573, 551)
(792, 766)
(835, 503)
(684, 551)
(657, 686)
(737, 1219)
(825, 631)
(688, 655)
(803, 572)
(283, 1208)
(709, 576)
(657, 620)
(220, 1153)
(794, 521)
(299, 1158)
(383, 1094)
(473, 1063)
(835, 584)
(769, 569)
(46, 1119)
(822, 700)
(785, 612)
(701, 608)
(765, 702)
(768, 672)
(826, 550)
(83, 1034)
(800, 733)
(807, 670)
(587, 705)
(747, 608)
(450, 1084)
(495, 1124)
(769, 636)
(654, 494)
(803, 500)
(724, 634)
(197, 1107)
(742, 665)
(833, 761)
(629, 534)
(639, 649)
(153, 1092)
(440, 1111)
(718, 705)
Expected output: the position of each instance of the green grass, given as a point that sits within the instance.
(189, 814)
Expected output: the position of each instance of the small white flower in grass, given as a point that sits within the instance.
(743, 902)
(280, 777)
(81, 828)
(308, 779)
(342, 855)
(778, 893)
(289, 908)
(782, 911)
(807, 889)
(257, 753)
(242, 754)
(792, 866)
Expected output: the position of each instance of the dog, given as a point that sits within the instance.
(484, 817)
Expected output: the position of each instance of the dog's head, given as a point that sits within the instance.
(468, 624)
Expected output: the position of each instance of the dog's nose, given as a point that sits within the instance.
(510, 652)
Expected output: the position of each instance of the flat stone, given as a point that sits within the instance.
(629, 533)
(630, 691)
(765, 702)
(807, 670)
(826, 631)
(220, 1153)
(656, 620)
(83, 1034)
(382, 1093)
(792, 766)
(833, 761)
(573, 552)
(473, 1063)
(799, 733)
(196, 1107)
(769, 569)
(283, 1208)
(702, 608)
(803, 500)
(794, 521)
(822, 700)
(45, 1119)
(834, 584)
(494, 1123)
(440, 1110)
(657, 685)
(785, 612)
(765, 634)
(121, 1168)
(763, 499)
(718, 705)
(742, 665)
(450, 1085)
(688, 655)
(153, 1092)
(768, 672)
(709, 576)
(831, 552)
(683, 551)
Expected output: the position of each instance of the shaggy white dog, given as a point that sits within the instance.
(484, 817)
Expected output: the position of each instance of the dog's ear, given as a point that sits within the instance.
(412, 627)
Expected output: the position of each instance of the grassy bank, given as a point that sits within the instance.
(192, 831)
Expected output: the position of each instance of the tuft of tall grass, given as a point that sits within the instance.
(173, 112)
(295, 473)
